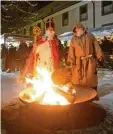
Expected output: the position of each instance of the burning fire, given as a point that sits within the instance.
(44, 90)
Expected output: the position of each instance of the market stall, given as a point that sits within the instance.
(14, 40)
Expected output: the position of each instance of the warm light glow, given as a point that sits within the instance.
(45, 90)
(111, 57)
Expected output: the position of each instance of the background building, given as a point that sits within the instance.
(96, 16)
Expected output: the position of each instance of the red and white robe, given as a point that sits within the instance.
(46, 56)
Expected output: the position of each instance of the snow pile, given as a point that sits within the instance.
(107, 102)
(105, 77)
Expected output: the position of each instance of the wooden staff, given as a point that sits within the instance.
(37, 33)
(35, 40)
(35, 59)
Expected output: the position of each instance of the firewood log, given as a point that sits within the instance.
(61, 76)
(70, 98)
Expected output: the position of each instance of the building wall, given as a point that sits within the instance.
(74, 17)
(49, 9)
(101, 20)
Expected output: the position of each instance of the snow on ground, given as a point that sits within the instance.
(10, 86)
(105, 82)
(105, 77)
(107, 102)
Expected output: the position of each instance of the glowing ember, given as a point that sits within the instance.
(44, 91)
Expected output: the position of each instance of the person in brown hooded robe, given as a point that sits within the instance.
(83, 54)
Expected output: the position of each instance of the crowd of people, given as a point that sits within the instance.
(106, 45)
(13, 58)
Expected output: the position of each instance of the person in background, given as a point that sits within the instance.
(83, 53)
(11, 59)
(61, 52)
(4, 52)
(106, 45)
(22, 53)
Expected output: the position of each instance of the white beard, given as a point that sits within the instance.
(80, 33)
(50, 35)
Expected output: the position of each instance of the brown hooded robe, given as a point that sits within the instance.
(83, 52)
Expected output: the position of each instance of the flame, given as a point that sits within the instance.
(45, 89)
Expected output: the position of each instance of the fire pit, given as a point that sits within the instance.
(51, 106)
(80, 114)
(46, 89)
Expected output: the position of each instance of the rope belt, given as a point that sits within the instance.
(85, 57)
(81, 70)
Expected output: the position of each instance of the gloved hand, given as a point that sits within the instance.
(101, 60)
(100, 63)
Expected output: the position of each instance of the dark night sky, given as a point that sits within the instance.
(11, 16)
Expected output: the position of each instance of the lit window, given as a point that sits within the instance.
(107, 7)
(83, 13)
(65, 19)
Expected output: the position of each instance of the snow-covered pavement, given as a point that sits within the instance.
(105, 77)
(105, 82)
(10, 86)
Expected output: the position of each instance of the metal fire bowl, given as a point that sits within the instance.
(81, 114)
(83, 94)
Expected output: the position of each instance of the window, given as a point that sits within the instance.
(83, 13)
(107, 7)
(65, 19)
(31, 30)
(24, 31)
(39, 25)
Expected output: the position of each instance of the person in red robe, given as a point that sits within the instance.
(45, 53)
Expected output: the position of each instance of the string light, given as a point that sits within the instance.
(6, 16)
(10, 28)
(12, 2)
(4, 7)
(8, 20)
(25, 18)
(33, 5)
(24, 11)
(33, 16)
(4, 20)
(28, 20)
